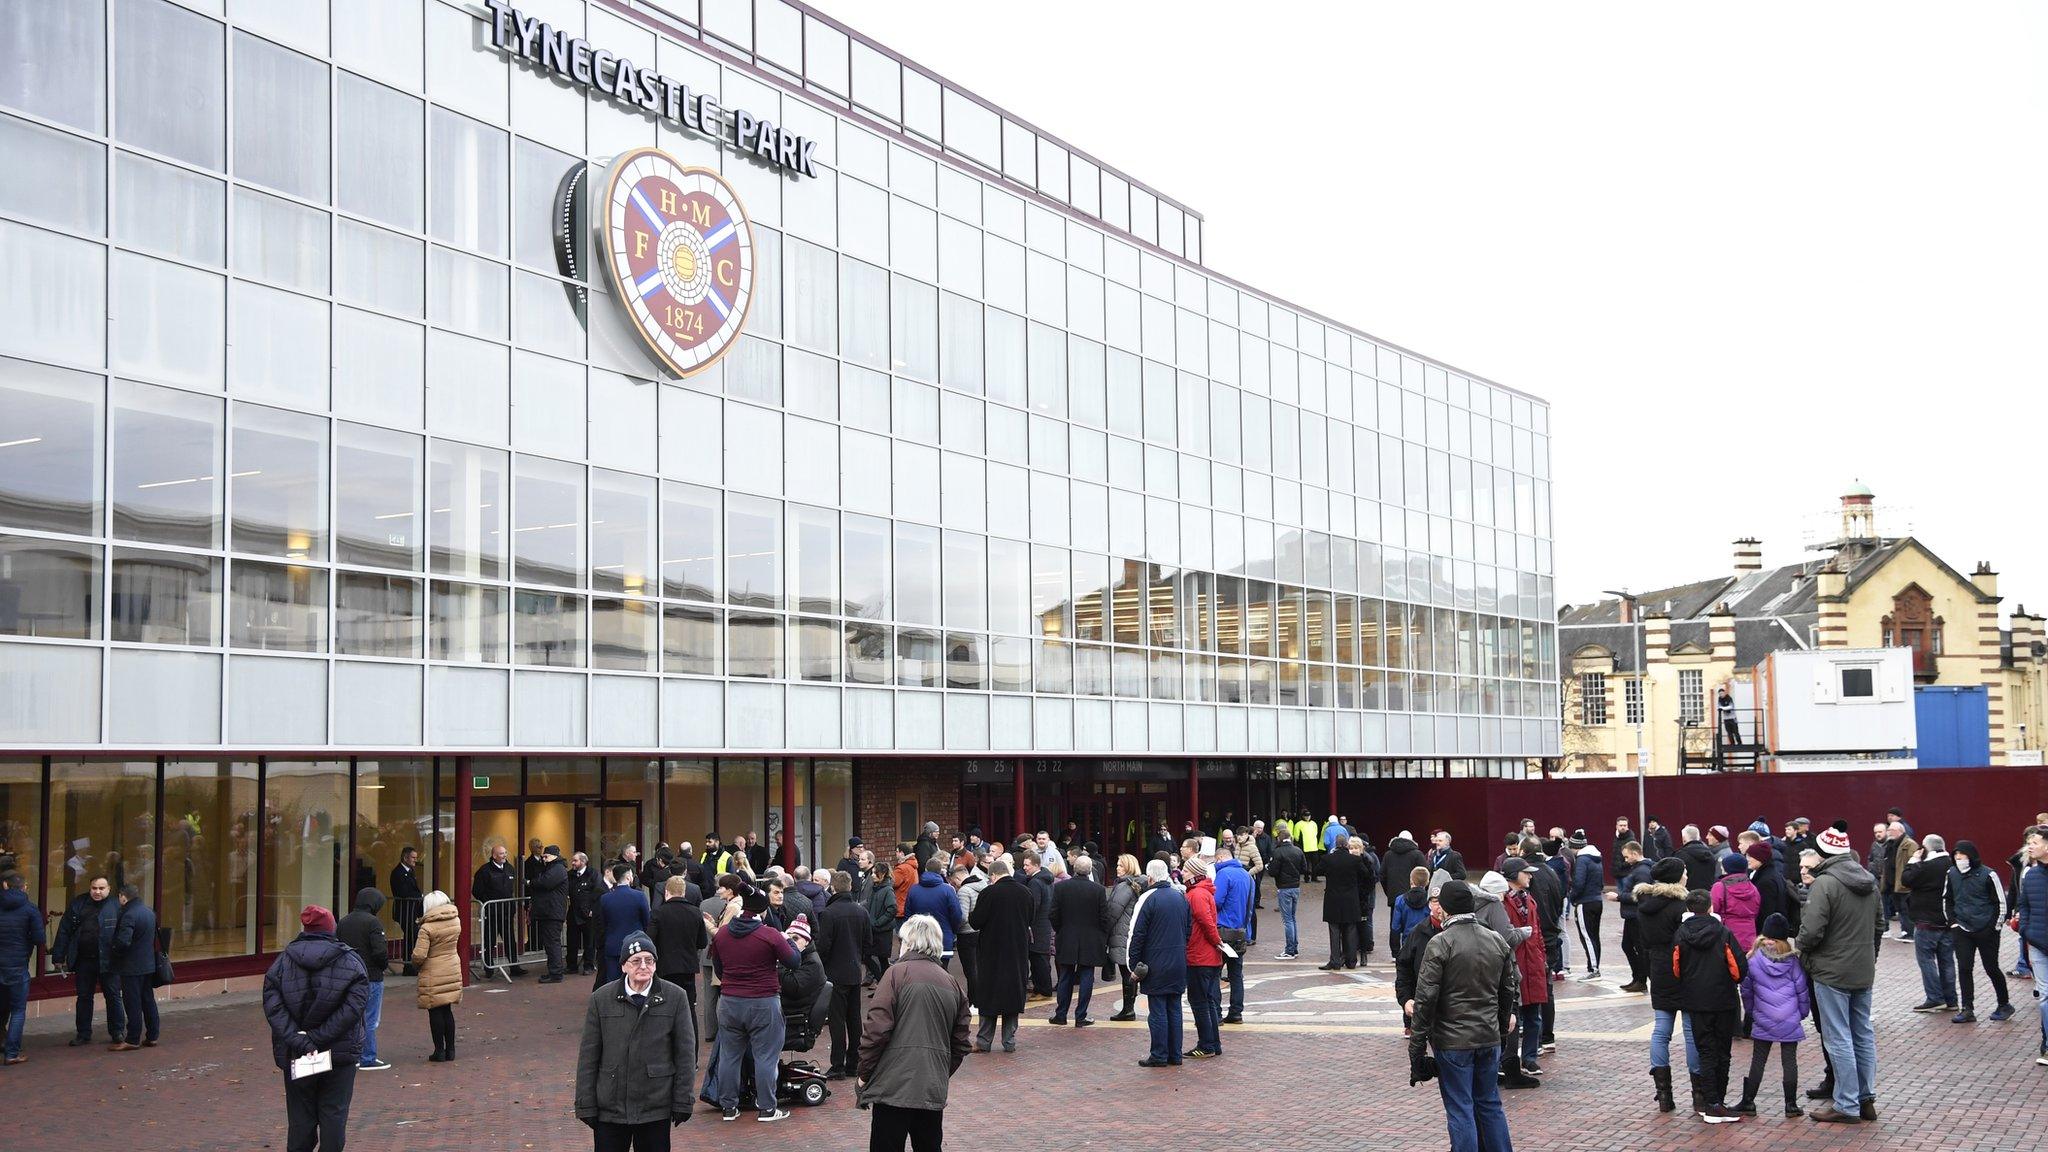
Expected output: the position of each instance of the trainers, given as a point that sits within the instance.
(1963, 1018)
(2001, 1014)
(1532, 1068)
(772, 1115)
(373, 1065)
(1717, 1114)
(1928, 1006)
(1284, 956)
(1547, 1048)
(729, 1114)
(2042, 1059)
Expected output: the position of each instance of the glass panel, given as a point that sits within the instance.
(50, 459)
(686, 806)
(692, 640)
(690, 525)
(813, 559)
(394, 812)
(1091, 580)
(547, 521)
(547, 628)
(49, 48)
(868, 660)
(468, 623)
(917, 574)
(377, 497)
(53, 176)
(742, 798)
(49, 588)
(305, 832)
(622, 634)
(863, 314)
(280, 483)
(966, 661)
(866, 567)
(169, 76)
(277, 607)
(754, 646)
(1010, 664)
(170, 210)
(467, 178)
(280, 241)
(377, 616)
(1050, 581)
(918, 658)
(166, 460)
(466, 498)
(753, 551)
(813, 649)
(21, 822)
(165, 597)
(621, 532)
(103, 813)
(280, 119)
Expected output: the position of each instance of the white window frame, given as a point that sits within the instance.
(1692, 697)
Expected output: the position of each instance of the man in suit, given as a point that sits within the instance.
(1080, 926)
(622, 912)
(497, 880)
(405, 900)
(584, 890)
(1040, 882)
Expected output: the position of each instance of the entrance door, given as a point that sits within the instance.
(610, 826)
(492, 823)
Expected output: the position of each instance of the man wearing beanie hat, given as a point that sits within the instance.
(744, 955)
(1585, 892)
(313, 998)
(1772, 896)
(638, 1059)
(1660, 908)
(1842, 911)
(1466, 992)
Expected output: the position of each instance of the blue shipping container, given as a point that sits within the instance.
(1955, 726)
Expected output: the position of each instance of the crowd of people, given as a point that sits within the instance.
(1760, 936)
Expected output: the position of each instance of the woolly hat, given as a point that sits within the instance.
(1735, 862)
(1493, 884)
(800, 930)
(1759, 852)
(1759, 827)
(1456, 898)
(316, 919)
(1578, 839)
(1718, 832)
(1775, 927)
(1834, 840)
(1669, 870)
(754, 901)
(634, 945)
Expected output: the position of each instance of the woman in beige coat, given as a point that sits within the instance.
(438, 955)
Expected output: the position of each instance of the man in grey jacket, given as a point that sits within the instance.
(1842, 910)
(1466, 992)
(639, 1056)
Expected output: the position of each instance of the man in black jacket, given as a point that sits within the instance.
(1702, 864)
(1287, 866)
(363, 931)
(677, 926)
(1656, 840)
(584, 890)
(1040, 884)
(405, 901)
(313, 998)
(497, 880)
(1926, 877)
(85, 940)
(842, 942)
(1080, 925)
(1548, 892)
(548, 890)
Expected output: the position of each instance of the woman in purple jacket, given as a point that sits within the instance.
(1775, 1000)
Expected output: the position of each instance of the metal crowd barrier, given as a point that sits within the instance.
(502, 933)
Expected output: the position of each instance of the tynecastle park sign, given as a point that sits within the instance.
(573, 59)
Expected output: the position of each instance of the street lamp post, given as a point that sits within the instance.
(1643, 690)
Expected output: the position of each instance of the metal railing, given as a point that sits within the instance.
(502, 932)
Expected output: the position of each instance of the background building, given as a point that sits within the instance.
(1658, 658)
(341, 508)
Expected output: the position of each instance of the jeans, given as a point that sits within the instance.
(891, 1126)
(1070, 976)
(1205, 996)
(87, 981)
(1535, 1021)
(138, 1004)
(1936, 955)
(1852, 1045)
(14, 989)
(1287, 898)
(1467, 1080)
(1233, 973)
(1970, 948)
(316, 1110)
(1162, 1021)
(373, 1011)
(2037, 960)
(1660, 1042)
(749, 1028)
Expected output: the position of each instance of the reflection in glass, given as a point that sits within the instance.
(813, 558)
(468, 623)
(49, 588)
(377, 615)
(868, 648)
(377, 497)
(1010, 664)
(918, 658)
(689, 542)
(966, 661)
(754, 646)
(692, 640)
(280, 118)
(753, 551)
(277, 607)
(547, 629)
(305, 833)
(50, 459)
(622, 634)
(547, 526)
(917, 574)
(621, 532)
(165, 597)
(208, 858)
(466, 180)
(280, 483)
(814, 649)
(865, 567)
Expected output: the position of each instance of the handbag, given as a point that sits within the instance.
(163, 974)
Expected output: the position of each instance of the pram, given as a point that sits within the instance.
(798, 1081)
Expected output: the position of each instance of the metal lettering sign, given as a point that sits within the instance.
(680, 255)
(553, 50)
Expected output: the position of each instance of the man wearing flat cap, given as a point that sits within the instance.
(1466, 993)
(638, 1061)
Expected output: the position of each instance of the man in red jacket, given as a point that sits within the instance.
(1532, 963)
(1205, 959)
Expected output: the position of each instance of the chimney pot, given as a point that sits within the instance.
(1749, 555)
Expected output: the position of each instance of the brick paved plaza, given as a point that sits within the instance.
(1321, 1052)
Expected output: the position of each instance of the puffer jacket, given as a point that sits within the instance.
(1123, 906)
(21, 928)
(913, 1036)
(636, 1065)
(2030, 904)
(437, 955)
(1737, 902)
(1842, 913)
(1632, 876)
(969, 892)
(316, 986)
(1659, 910)
(1411, 909)
(1466, 989)
(1709, 966)
(1204, 943)
(1974, 900)
(1400, 861)
(932, 896)
(1487, 909)
(1776, 997)
(1588, 875)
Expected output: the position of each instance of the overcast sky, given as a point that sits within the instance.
(1749, 252)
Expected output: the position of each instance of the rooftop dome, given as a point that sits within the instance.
(1859, 488)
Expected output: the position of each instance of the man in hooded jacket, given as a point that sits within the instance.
(313, 999)
(1842, 910)
(363, 930)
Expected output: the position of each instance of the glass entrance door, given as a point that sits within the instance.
(607, 827)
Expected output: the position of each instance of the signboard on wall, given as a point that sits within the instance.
(680, 255)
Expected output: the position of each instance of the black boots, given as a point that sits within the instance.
(1512, 1076)
(1748, 1105)
(1699, 1092)
(1663, 1078)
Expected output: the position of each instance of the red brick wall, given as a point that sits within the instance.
(879, 784)
(1988, 805)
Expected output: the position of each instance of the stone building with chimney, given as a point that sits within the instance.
(1641, 671)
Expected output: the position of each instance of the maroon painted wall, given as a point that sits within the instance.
(1989, 805)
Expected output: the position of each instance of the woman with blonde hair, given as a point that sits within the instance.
(1123, 908)
(437, 953)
